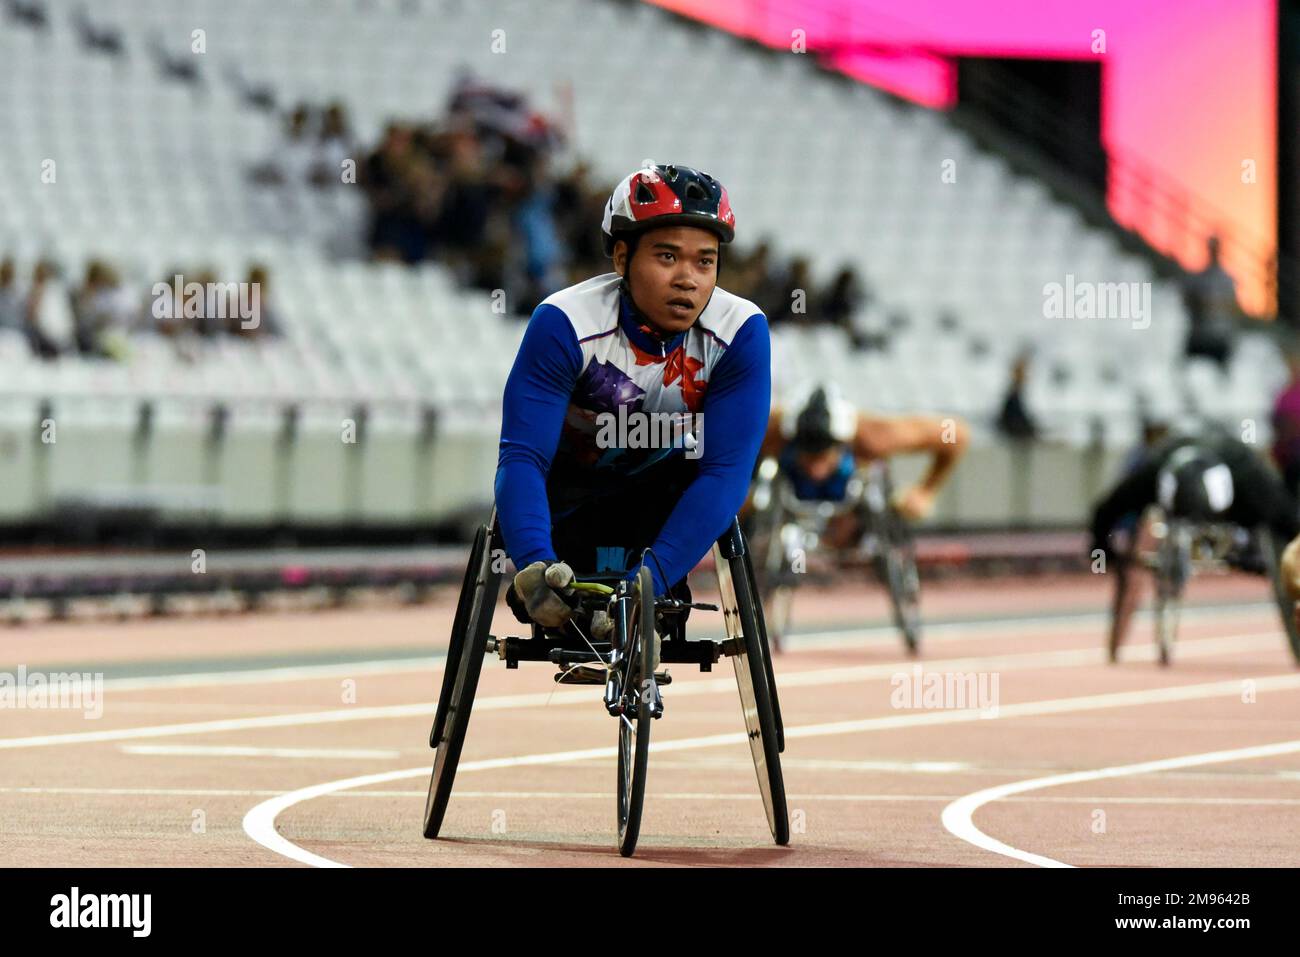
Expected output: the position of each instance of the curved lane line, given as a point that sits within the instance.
(957, 816)
(259, 822)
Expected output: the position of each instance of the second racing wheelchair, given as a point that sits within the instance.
(1173, 548)
(786, 529)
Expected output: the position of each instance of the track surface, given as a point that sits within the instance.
(292, 738)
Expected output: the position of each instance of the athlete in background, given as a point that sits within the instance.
(1207, 476)
(821, 440)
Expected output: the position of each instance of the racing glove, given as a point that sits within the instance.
(539, 586)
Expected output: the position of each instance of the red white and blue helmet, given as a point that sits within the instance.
(667, 196)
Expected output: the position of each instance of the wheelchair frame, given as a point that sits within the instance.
(633, 695)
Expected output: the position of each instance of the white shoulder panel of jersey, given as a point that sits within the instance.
(591, 305)
(726, 313)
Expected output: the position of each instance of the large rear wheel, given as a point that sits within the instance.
(771, 573)
(741, 609)
(1123, 605)
(897, 566)
(457, 643)
(469, 643)
(1172, 570)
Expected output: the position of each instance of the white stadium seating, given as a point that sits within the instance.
(153, 174)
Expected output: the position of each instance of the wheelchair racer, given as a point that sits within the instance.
(821, 440)
(1203, 475)
(654, 341)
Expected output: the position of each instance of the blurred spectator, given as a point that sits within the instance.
(579, 206)
(512, 131)
(183, 67)
(1014, 421)
(161, 315)
(843, 301)
(333, 146)
(798, 301)
(260, 96)
(164, 316)
(209, 323)
(11, 305)
(101, 37)
(404, 191)
(462, 220)
(478, 192)
(1286, 424)
(759, 279)
(1211, 298)
(47, 313)
(100, 312)
(31, 12)
(542, 251)
(294, 157)
(268, 325)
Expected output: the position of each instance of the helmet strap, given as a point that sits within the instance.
(625, 288)
(639, 317)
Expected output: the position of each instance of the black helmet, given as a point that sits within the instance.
(823, 420)
(1195, 484)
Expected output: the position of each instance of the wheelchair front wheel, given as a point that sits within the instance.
(896, 565)
(634, 723)
(1172, 572)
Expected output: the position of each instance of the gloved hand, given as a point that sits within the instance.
(538, 585)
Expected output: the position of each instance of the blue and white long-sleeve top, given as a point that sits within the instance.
(584, 356)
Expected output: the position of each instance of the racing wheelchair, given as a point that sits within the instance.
(647, 632)
(1174, 548)
(786, 529)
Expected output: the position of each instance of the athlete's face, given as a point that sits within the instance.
(819, 466)
(672, 274)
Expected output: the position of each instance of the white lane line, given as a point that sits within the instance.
(228, 751)
(253, 676)
(259, 822)
(225, 724)
(825, 676)
(903, 767)
(957, 816)
(849, 637)
(666, 795)
(980, 628)
(936, 767)
(150, 792)
(852, 637)
(843, 798)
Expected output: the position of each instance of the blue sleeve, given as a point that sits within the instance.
(735, 411)
(532, 413)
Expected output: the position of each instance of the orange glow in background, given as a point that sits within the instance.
(1188, 92)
